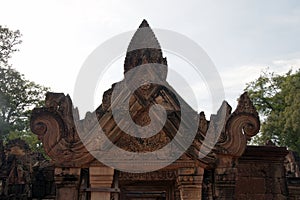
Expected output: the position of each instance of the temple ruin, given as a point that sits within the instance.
(231, 170)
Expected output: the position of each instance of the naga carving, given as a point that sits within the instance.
(241, 125)
(54, 126)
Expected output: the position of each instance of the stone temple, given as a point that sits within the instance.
(229, 170)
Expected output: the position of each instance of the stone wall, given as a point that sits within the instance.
(294, 188)
(24, 174)
(261, 173)
(42, 181)
(292, 164)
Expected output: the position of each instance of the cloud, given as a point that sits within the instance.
(282, 66)
(59, 35)
(235, 79)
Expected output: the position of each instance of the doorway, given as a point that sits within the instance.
(162, 190)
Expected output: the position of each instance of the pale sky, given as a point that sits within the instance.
(241, 37)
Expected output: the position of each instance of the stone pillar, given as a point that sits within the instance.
(225, 178)
(101, 178)
(177, 194)
(67, 183)
(189, 183)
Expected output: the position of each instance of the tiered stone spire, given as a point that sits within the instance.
(144, 48)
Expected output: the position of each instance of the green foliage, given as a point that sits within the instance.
(18, 96)
(31, 139)
(277, 99)
(8, 41)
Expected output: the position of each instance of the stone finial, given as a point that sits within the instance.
(241, 125)
(144, 24)
(144, 48)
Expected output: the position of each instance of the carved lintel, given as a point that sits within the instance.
(149, 176)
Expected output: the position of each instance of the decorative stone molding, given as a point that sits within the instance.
(150, 176)
(54, 126)
(241, 125)
(189, 182)
(101, 178)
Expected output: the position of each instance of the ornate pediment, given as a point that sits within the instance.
(66, 138)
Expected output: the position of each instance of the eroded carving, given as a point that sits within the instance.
(150, 176)
(241, 125)
(54, 125)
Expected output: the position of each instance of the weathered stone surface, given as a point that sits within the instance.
(294, 188)
(55, 126)
(20, 172)
(292, 164)
(261, 173)
(67, 181)
(43, 184)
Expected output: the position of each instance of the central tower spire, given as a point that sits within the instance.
(144, 48)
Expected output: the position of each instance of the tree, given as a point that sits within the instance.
(8, 42)
(18, 96)
(277, 99)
